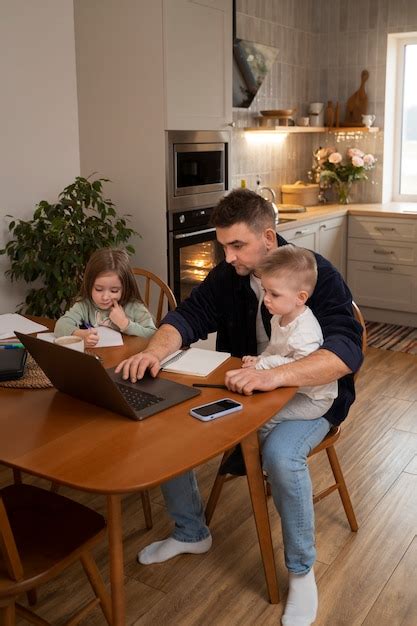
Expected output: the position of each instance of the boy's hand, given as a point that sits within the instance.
(89, 335)
(249, 361)
(118, 316)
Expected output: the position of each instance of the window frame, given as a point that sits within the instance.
(401, 44)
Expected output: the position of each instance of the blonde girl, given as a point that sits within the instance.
(109, 296)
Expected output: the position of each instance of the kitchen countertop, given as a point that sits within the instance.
(320, 212)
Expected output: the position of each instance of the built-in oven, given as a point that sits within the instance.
(193, 250)
(198, 177)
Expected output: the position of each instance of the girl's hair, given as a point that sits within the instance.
(297, 263)
(110, 260)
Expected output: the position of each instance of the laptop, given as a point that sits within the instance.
(82, 376)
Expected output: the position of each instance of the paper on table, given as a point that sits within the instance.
(50, 337)
(108, 337)
(195, 361)
(9, 322)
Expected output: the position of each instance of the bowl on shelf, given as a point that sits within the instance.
(278, 112)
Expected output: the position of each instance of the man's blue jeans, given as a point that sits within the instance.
(284, 457)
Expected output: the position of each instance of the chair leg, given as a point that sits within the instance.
(147, 510)
(342, 488)
(96, 581)
(8, 615)
(32, 596)
(17, 476)
(214, 496)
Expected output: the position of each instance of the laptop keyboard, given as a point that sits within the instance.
(138, 399)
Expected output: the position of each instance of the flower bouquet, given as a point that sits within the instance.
(342, 173)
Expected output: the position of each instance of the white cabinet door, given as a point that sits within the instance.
(303, 236)
(332, 242)
(198, 64)
(383, 285)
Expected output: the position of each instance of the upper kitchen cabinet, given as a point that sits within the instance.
(197, 64)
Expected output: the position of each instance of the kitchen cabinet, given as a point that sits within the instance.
(198, 43)
(327, 237)
(382, 263)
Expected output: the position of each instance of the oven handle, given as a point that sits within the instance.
(195, 233)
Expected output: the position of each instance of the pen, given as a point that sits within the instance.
(208, 385)
(85, 325)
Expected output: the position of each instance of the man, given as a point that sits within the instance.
(229, 301)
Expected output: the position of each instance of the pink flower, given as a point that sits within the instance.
(335, 157)
(352, 152)
(357, 161)
(369, 160)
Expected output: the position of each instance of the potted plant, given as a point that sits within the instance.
(53, 247)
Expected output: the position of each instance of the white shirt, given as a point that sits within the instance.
(261, 334)
(289, 343)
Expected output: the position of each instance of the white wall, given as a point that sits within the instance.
(121, 112)
(39, 148)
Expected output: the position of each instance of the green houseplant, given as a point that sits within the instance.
(53, 247)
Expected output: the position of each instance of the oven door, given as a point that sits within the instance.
(192, 254)
(199, 168)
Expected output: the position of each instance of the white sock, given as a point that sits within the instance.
(161, 551)
(302, 601)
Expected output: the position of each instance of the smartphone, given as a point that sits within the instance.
(213, 410)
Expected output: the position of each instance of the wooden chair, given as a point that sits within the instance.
(155, 293)
(159, 299)
(41, 534)
(327, 444)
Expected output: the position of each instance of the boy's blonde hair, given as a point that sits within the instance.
(297, 263)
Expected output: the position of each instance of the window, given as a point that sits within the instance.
(404, 186)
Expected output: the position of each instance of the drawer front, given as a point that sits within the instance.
(303, 236)
(383, 285)
(332, 222)
(390, 229)
(382, 251)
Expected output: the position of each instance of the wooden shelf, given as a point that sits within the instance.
(311, 129)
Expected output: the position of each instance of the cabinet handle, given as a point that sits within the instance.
(383, 268)
(390, 230)
(379, 251)
(231, 124)
(323, 226)
(302, 232)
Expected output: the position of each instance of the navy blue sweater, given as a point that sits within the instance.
(225, 303)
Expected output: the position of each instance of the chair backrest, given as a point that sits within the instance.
(359, 317)
(8, 548)
(155, 293)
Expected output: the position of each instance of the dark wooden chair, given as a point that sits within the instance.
(327, 444)
(159, 299)
(41, 534)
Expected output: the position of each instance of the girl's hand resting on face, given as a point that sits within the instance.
(89, 335)
(118, 316)
(249, 361)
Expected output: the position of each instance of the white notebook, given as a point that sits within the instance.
(194, 361)
(9, 322)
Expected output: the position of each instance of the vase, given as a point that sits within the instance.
(343, 192)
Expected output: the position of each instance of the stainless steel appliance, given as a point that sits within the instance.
(198, 176)
(198, 172)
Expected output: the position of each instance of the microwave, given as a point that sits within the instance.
(197, 168)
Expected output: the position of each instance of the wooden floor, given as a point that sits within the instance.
(365, 578)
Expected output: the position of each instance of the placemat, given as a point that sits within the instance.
(33, 378)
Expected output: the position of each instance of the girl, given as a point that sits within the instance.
(109, 296)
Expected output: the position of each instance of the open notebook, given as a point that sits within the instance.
(194, 361)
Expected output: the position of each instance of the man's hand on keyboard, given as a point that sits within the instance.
(136, 366)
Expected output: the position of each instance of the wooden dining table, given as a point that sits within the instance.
(57, 437)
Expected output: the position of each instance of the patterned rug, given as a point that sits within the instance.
(392, 337)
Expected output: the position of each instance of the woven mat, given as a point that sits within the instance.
(33, 378)
(392, 337)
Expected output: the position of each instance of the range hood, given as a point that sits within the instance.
(251, 63)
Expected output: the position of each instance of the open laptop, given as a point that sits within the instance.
(82, 376)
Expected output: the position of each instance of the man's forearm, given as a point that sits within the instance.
(318, 368)
(165, 341)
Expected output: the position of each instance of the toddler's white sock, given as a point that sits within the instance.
(302, 601)
(161, 551)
